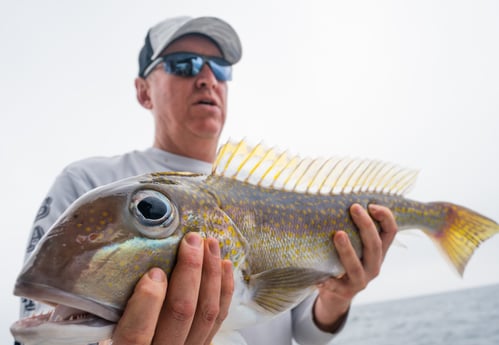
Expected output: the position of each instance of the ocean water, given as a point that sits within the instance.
(465, 317)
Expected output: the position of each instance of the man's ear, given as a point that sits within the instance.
(142, 90)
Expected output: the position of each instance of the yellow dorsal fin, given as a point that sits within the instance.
(268, 167)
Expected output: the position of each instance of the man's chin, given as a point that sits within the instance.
(208, 130)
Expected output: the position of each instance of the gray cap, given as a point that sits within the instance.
(167, 31)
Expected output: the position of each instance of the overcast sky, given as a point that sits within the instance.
(411, 82)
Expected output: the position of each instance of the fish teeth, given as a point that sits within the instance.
(65, 313)
(56, 318)
(41, 315)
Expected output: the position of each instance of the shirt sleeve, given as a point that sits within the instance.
(305, 331)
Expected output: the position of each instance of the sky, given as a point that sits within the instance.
(410, 82)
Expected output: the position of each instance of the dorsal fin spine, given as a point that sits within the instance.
(250, 155)
(229, 160)
(293, 172)
(220, 154)
(264, 157)
(335, 162)
(343, 172)
(317, 173)
(267, 167)
(400, 185)
(340, 170)
(246, 159)
(272, 166)
(362, 174)
(308, 163)
(376, 171)
(389, 184)
(371, 166)
(290, 165)
(410, 183)
(385, 171)
(403, 182)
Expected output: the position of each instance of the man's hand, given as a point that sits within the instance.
(189, 309)
(336, 294)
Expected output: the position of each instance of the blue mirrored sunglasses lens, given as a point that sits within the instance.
(221, 72)
(185, 67)
(190, 65)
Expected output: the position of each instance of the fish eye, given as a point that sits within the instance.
(154, 213)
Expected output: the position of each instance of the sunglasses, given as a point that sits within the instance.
(191, 64)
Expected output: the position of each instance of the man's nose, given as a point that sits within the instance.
(206, 77)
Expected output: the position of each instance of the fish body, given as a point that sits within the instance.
(274, 218)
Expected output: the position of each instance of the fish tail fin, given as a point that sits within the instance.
(461, 233)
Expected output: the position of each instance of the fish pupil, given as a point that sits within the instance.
(152, 208)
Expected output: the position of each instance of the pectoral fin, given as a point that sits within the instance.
(280, 289)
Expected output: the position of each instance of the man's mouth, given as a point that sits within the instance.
(206, 102)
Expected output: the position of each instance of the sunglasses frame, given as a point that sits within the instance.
(220, 67)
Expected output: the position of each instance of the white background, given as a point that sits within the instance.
(412, 82)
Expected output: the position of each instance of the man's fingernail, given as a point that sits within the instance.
(157, 274)
(227, 267)
(355, 210)
(373, 208)
(214, 247)
(341, 240)
(194, 239)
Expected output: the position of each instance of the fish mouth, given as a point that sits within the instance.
(83, 328)
(62, 314)
(71, 314)
(53, 296)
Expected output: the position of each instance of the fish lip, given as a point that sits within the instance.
(40, 330)
(53, 296)
(38, 320)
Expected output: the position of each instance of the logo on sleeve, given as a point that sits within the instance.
(36, 235)
(44, 210)
(28, 305)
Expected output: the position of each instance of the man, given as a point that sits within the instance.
(184, 68)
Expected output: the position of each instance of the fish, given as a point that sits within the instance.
(274, 214)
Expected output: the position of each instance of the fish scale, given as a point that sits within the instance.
(273, 213)
(287, 218)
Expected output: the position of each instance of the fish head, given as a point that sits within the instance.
(89, 262)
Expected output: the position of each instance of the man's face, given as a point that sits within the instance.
(187, 109)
